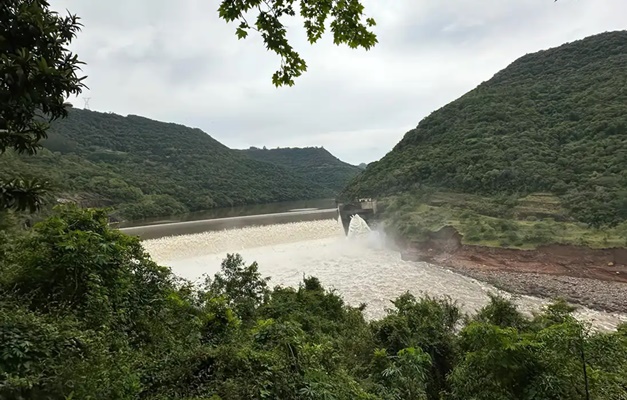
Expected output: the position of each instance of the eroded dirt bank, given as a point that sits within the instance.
(596, 278)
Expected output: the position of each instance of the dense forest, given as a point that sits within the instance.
(144, 168)
(86, 314)
(553, 122)
(315, 164)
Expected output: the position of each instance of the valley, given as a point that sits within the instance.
(145, 260)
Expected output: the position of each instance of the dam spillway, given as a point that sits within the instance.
(155, 231)
(362, 268)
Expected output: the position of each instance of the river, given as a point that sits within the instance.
(362, 269)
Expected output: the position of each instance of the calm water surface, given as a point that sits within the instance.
(256, 209)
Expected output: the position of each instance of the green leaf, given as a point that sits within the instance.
(241, 33)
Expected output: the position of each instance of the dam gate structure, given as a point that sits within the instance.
(365, 208)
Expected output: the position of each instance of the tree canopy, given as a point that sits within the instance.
(37, 74)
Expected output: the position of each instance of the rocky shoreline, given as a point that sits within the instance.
(592, 293)
(595, 278)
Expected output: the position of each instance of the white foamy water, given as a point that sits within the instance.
(357, 227)
(361, 268)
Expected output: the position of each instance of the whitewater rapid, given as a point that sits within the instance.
(362, 268)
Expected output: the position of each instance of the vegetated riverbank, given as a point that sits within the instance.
(595, 278)
(526, 245)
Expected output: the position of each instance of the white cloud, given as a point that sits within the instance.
(177, 61)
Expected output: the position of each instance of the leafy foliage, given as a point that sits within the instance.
(144, 168)
(37, 74)
(22, 194)
(314, 164)
(85, 313)
(553, 121)
(347, 27)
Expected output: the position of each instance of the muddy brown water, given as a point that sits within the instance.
(362, 269)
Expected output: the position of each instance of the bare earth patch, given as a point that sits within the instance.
(595, 278)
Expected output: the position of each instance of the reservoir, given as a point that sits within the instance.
(309, 241)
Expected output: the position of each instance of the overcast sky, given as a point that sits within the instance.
(176, 61)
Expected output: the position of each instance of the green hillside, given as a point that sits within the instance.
(315, 164)
(148, 168)
(553, 122)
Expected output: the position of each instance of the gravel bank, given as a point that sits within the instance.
(592, 293)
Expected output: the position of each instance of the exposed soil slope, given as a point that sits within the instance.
(596, 278)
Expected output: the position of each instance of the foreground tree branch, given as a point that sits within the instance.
(348, 26)
(37, 74)
(22, 195)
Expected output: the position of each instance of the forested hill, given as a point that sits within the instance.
(315, 164)
(144, 168)
(553, 121)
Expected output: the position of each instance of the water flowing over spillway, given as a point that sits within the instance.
(358, 227)
(360, 266)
